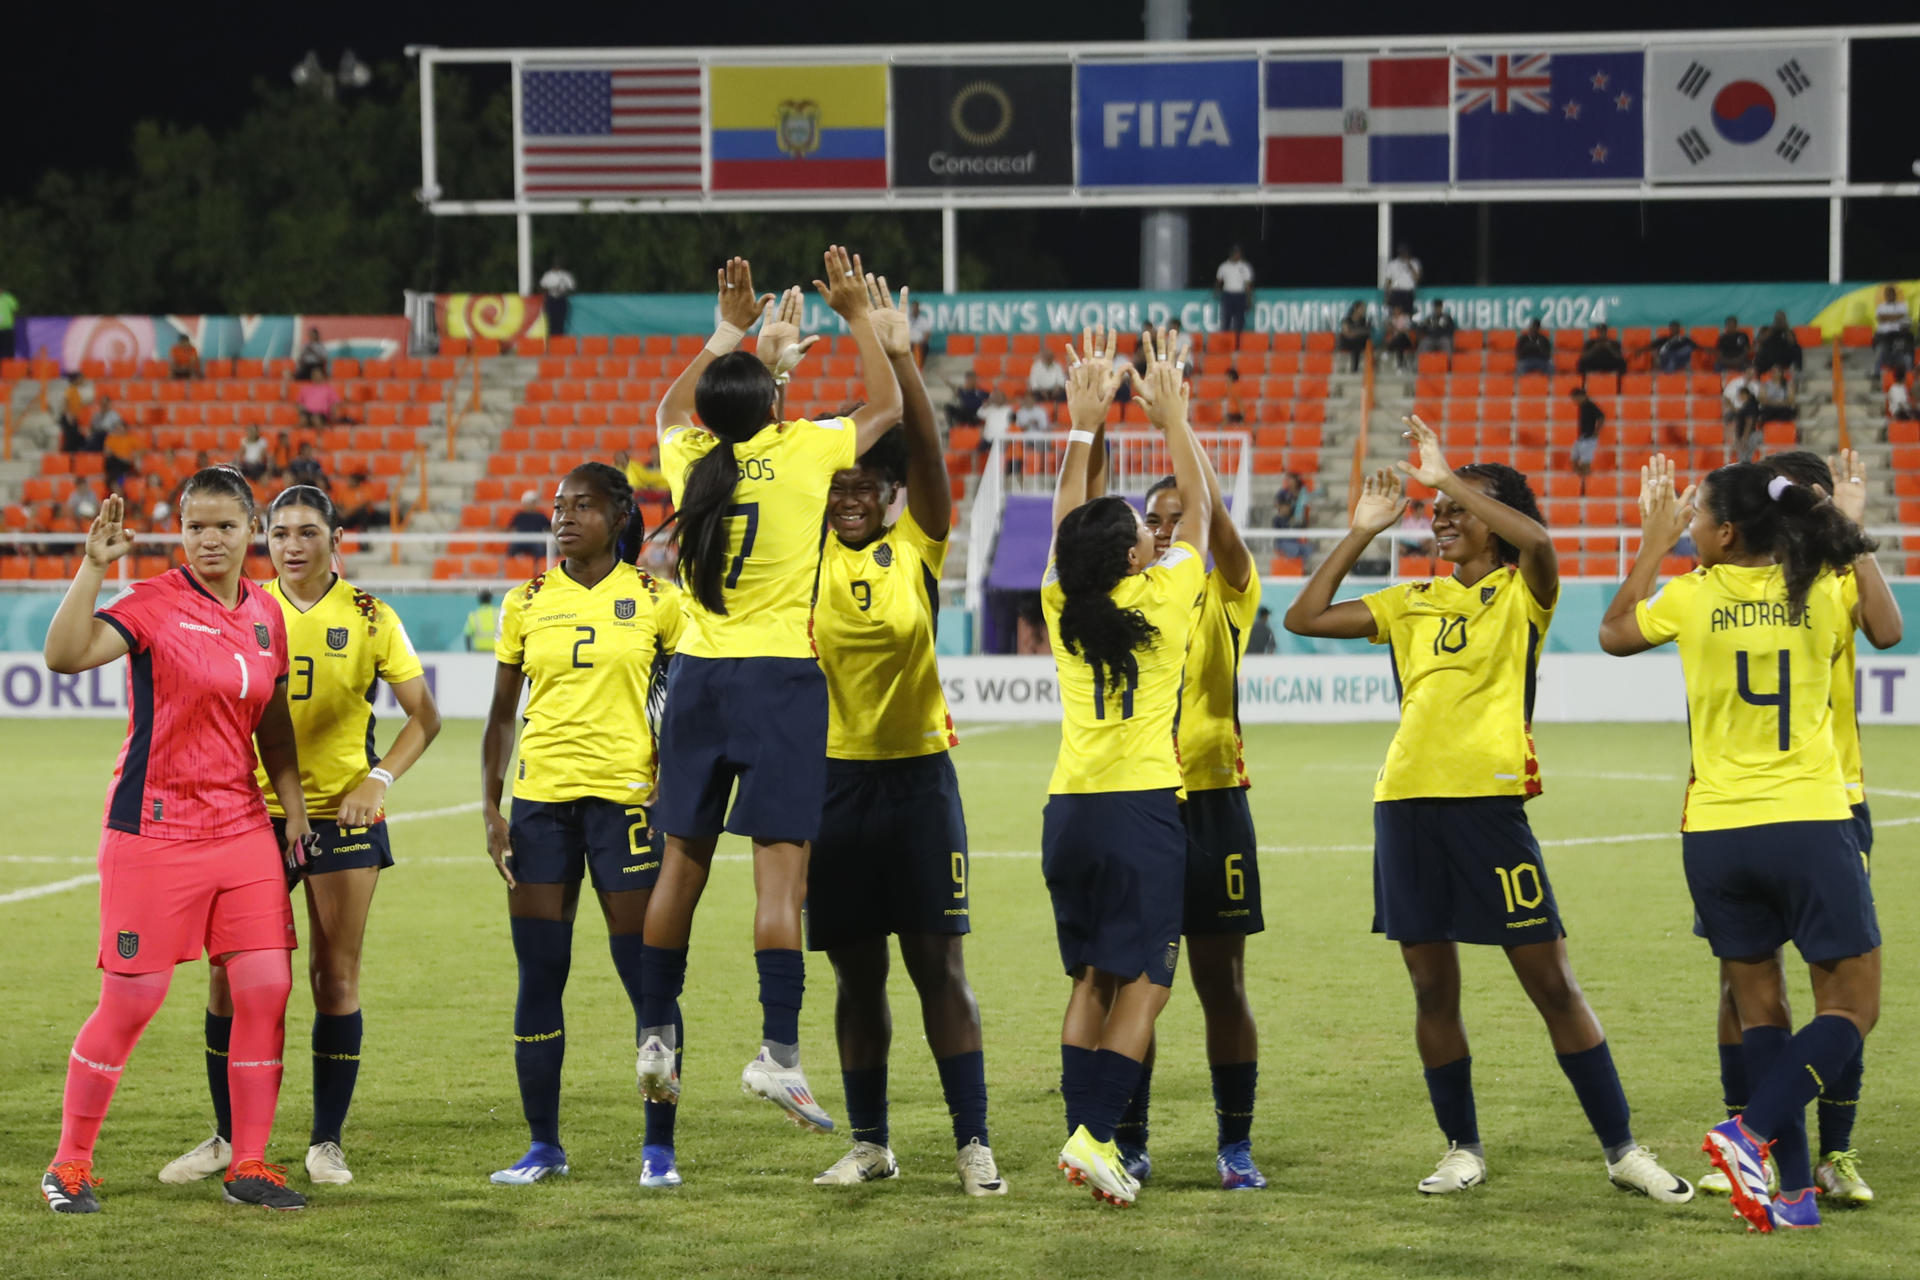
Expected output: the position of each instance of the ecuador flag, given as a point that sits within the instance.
(799, 128)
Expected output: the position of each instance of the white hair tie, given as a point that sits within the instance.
(1778, 486)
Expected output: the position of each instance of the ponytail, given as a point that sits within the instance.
(1795, 524)
(735, 400)
(1090, 559)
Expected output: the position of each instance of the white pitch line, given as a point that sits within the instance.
(42, 890)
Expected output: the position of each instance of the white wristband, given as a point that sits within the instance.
(1080, 437)
(725, 339)
(380, 775)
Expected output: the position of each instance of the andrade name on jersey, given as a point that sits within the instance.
(1758, 613)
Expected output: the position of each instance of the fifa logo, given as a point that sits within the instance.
(799, 130)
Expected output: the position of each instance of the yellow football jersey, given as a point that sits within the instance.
(1465, 660)
(590, 655)
(338, 651)
(1210, 751)
(1759, 694)
(874, 624)
(775, 528)
(1846, 715)
(1126, 740)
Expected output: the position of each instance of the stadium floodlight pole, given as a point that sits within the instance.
(429, 163)
(949, 248)
(1163, 231)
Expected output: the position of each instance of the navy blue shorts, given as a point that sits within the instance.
(1862, 825)
(1466, 870)
(1756, 887)
(340, 850)
(1223, 863)
(558, 841)
(1115, 863)
(759, 721)
(891, 856)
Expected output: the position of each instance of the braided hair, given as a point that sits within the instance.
(1090, 559)
(1510, 488)
(1780, 517)
(629, 526)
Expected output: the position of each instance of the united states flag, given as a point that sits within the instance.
(609, 131)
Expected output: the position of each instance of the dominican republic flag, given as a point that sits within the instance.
(1356, 121)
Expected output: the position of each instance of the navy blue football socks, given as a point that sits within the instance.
(1800, 1068)
(219, 1037)
(1115, 1079)
(1733, 1078)
(544, 949)
(1597, 1085)
(1233, 1089)
(866, 1103)
(1763, 1047)
(1076, 1078)
(963, 1079)
(783, 981)
(1133, 1127)
(663, 974)
(1839, 1102)
(336, 1067)
(627, 950)
(1450, 1088)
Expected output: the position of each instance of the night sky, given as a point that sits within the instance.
(73, 104)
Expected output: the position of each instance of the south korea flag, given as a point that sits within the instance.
(1736, 113)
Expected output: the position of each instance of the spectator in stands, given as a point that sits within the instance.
(1233, 281)
(1354, 333)
(1033, 415)
(1290, 511)
(255, 453)
(919, 331)
(965, 409)
(306, 468)
(9, 308)
(1416, 530)
(183, 360)
(312, 361)
(1048, 377)
(1900, 406)
(1778, 349)
(529, 519)
(996, 417)
(1601, 353)
(106, 418)
(558, 286)
(1436, 331)
(1746, 426)
(1402, 279)
(281, 456)
(1586, 439)
(75, 435)
(1260, 638)
(1533, 350)
(122, 448)
(83, 503)
(361, 503)
(1730, 395)
(1401, 335)
(1733, 349)
(316, 400)
(1673, 350)
(1236, 406)
(482, 625)
(1892, 334)
(1776, 397)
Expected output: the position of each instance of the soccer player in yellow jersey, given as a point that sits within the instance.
(1112, 848)
(585, 640)
(1865, 595)
(891, 856)
(341, 643)
(1769, 842)
(1454, 858)
(747, 703)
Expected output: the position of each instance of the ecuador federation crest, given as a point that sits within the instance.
(336, 637)
(799, 129)
(264, 636)
(623, 609)
(883, 555)
(1486, 595)
(127, 944)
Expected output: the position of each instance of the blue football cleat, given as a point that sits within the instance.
(1743, 1158)
(1238, 1172)
(656, 1167)
(1139, 1165)
(541, 1161)
(1797, 1211)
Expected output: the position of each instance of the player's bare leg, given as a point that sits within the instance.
(863, 1032)
(1441, 1038)
(936, 962)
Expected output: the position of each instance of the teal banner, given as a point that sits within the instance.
(1273, 311)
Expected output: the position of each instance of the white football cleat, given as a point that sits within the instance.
(327, 1164)
(1457, 1170)
(979, 1175)
(659, 1082)
(210, 1157)
(866, 1162)
(786, 1088)
(1638, 1170)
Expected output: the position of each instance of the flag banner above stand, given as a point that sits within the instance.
(1744, 113)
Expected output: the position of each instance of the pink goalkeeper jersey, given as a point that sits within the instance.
(199, 676)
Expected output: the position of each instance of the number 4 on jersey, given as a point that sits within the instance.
(1780, 699)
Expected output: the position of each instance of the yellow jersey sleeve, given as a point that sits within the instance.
(1661, 614)
(931, 550)
(1846, 711)
(1387, 606)
(776, 526)
(1211, 754)
(1123, 739)
(398, 663)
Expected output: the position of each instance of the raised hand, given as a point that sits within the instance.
(1664, 513)
(889, 322)
(779, 344)
(1091, 378)
(738, 305)
(845, 288)
(1432, 469)
(1161, 390)
(1849, 485)
(108, 539)
(1382, 502)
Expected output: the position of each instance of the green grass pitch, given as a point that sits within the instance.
(1343, 1130)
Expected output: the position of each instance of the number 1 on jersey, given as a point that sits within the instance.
(1130, 682)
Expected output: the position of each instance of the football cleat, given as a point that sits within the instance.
(1796, 1212)
(1138, 1163)
(1238, 1172)
(541, 1161)
(1098, 1167)
(979, 1175)
(327, 1164)
(259, 1183)
(1839, 1180)
(1638, 1170)
(1713, 1183)
(68, 1187)
(656, 1167)
(1457, 1170)
(866, 1162)
(210, 1157)
(659, 1082)
(1742, 1158)
(786, 1088)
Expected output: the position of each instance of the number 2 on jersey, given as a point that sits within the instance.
(1781, 698)
(749, 511)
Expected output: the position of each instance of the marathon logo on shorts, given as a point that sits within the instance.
(623, 609)
(261, 634)
(883, 555)
(127, 944)
(336, 637)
